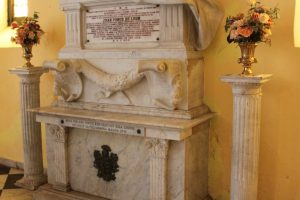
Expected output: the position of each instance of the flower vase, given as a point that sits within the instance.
(247, 57)
(27, 54)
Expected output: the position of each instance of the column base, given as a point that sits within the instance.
(46, 192)
(29, 184)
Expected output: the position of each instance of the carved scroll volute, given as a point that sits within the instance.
(165, 81)
(68, 83)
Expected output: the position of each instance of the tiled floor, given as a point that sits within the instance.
(8, 191)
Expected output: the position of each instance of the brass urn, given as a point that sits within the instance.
(27, 54)
(247, 57)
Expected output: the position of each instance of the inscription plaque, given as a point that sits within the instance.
(104, 126)
(138, 23)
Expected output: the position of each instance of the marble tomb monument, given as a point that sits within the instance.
(129, 122)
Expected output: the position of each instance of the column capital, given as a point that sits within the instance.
(159, 148)
(21, 71)
(246, 85)
(67, 5)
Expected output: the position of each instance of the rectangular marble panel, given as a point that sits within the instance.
(186, 165)
(50, 156)
(196, 159)
(175, 174)
(137, 23)
(132, 180)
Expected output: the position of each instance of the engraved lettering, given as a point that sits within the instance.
(139, 23)
(104, 126)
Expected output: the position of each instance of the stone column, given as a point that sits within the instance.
(158, 168)
(60, 134)
(32, 143)
(246, 134)
(73, 27)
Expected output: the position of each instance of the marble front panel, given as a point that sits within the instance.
(186, 162)
(132, 180)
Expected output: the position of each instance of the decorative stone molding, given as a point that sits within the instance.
(60, 156)
(108, 84)
(166, 73)
(32, 144)
(158, 168)
(246, 134)
(68, 84)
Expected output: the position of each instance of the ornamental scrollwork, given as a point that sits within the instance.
(164, 79)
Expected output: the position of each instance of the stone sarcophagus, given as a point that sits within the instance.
(129, 122)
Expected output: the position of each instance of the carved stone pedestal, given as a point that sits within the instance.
(32, 144)
(246, 134)
(157, 158)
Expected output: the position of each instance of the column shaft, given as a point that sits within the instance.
(158, 168)
(245, 150)
(60, 156)
(73, 25)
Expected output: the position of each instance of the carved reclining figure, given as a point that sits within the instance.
(164, 80)
(107, 83)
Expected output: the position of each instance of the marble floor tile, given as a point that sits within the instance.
(4, 170)
(8, 191)
(16, 194)
(2, 181)
(11, 180)
(15, 171)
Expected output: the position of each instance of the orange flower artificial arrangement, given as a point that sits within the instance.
(28, 33)
(253, 27)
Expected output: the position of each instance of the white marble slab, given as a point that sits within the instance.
(155, 127)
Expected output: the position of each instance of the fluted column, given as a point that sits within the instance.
(158, 168)
(60, 135)
(32, 143)
(73, 24)
(246, 134)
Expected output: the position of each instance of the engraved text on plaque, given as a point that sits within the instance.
(138, 23)
(104, 126)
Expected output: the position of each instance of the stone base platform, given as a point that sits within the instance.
(46, 192)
